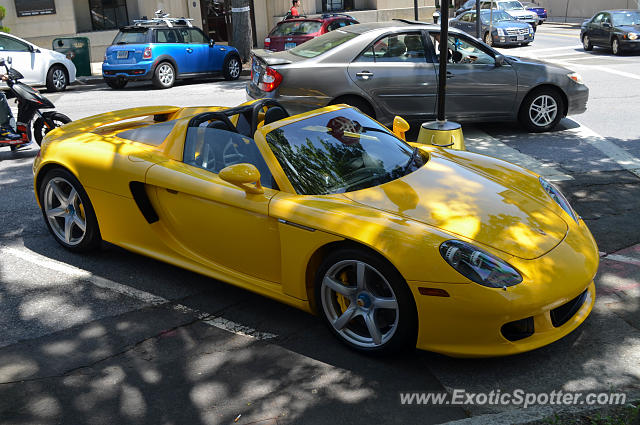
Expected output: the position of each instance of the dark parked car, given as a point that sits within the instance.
(292, 32)
(541, 11)
(505, 30)
(618, 30)
(389, 68)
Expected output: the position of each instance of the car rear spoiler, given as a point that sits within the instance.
(267, 57)
(160, 113)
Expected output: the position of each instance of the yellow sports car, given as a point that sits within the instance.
(393, 244)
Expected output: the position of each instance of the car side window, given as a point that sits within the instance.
(213, 145)
(462, 51)
(606, 19)
(465, 17)
(167, 36)
(598, 18)
(193, 36)
(11, 45)
(405, 47)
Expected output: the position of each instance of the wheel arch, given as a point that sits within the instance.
(43, 170)
(344, 97)
(166, 58)
(558, 89)
(61, 65)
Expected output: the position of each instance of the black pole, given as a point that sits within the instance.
(444, 53)
(478, 21)
(415, 9)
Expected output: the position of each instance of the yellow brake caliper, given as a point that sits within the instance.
(342, 300)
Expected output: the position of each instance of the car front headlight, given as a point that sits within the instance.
(479, 266)
(501, 32)
(632, 36)
(576, 77)
(558, 197)
(530, 29)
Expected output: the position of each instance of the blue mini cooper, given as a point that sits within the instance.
(163, 50)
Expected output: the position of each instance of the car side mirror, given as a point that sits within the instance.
(243, 175)
(211, 43)
(400, 127)
(9, 60)
(499, 60)
(606, 25)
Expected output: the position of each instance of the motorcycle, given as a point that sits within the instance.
(30, 102)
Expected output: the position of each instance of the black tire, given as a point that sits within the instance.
(116, 83)
(232, 67)
(357, 102)
(616, 48)
(525, 44)
(538, 98)
(488, 40)
(164, 76)
(535, 27)
(382, 281)
(55, 119)
(57, 78)
(586, 43)
(65, 181)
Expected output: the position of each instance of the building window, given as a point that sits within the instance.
(336, 5)
(108, 14)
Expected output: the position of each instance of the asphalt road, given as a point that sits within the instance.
(114, 337)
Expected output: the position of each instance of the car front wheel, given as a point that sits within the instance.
(542, 110)
(586, 43)
(488, 39)
(615, 47)
(365, 302)
(57, 78)
(68, 212)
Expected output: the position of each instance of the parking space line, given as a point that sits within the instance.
(622, 259)
(609, 149)
(146, 297)
(480, 142)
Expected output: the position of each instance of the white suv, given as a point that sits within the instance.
(515, 9)
(40, 67)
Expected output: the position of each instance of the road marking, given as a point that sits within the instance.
(560, 55)
(480, 142)
(622, 259)
(553, 49)
(610, 149)
(558, 34)
(597, 68)
(146, 297)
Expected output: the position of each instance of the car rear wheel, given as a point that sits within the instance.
(116, 83)
(541, 110)
(232, 67)
(57, 78)
(68, 212)
(164, 76)
(41, 128)
(586, 43)
(365, 302)
(488, 39)
(615, 47)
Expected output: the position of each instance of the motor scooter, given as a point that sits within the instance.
(30, 102)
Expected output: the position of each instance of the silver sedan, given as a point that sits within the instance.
(391, 68)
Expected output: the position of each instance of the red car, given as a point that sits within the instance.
(291, 32)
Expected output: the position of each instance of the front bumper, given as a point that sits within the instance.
(577, 96)
(630, 44)
(475, 321)
(511, 40)
(130, 72)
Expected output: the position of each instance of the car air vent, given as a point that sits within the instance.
(519, 329)
(562, 314)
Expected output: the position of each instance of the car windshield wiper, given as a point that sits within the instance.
(414, 155)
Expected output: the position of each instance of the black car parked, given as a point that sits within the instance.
(618, 30)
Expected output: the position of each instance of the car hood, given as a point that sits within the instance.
(510, 24)
(485, 200)
(549, 67)
(526, 13)
(629, 28)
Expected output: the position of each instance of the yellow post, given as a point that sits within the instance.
(445, 134)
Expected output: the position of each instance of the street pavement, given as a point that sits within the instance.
(114, 337)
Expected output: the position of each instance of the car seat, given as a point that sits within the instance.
(273, 114)
(414, 46)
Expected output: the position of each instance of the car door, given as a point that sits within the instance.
(398, 74)
(198, 55)
(24, 59)
(476, 86)
(210, 220)
(170, 43)
(594, 29)
(606, 30)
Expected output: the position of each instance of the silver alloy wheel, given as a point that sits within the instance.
(234, 68)
(585, 42)
(64, 210)
(165, 74)
(543, 110)
(488, 39)
(59, 79)
(370, 319)
(615, 46)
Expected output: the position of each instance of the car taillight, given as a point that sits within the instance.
(147, 53)
(267, 43)
(270, 80)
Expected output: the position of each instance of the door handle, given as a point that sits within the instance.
(364, 75)
(189, 50)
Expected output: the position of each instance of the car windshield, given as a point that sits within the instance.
(131, 37)
(340, 151)
(626, 18)
(322, 44)
(296, 28)
(498, 16)
(510, 5)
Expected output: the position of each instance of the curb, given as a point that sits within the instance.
(97, 79)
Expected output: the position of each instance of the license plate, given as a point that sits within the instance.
(520, 37)
(256, 77)
(122, 54)
(288, 46)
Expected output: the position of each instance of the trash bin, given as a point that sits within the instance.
(76, 49)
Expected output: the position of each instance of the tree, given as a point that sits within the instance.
(242, 36)
(3, 13)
